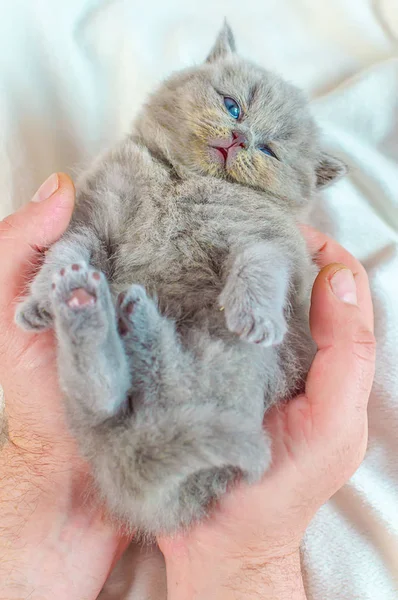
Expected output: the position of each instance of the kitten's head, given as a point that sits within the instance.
(234, 120)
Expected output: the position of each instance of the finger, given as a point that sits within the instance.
(341, 376)
(325, 251)
(30, 230)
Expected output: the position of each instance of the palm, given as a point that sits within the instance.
(308, 433)
(70, 532)
(237, 515)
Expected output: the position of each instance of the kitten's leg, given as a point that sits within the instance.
(255, 293)
(141, 327)
(34, 313)
(92, 363)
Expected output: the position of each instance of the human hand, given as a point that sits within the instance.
(248, 548)
(55, 541)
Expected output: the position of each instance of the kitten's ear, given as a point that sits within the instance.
(329, 169)
(224, 45)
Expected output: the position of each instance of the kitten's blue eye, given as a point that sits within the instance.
(232, 107)
(267, 150)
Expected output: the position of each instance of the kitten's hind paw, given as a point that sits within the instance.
(81, 301)
(138, 313)
(141, 328)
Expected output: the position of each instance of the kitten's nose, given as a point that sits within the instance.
(239, 139)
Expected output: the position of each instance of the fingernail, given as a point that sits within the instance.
(344, 286)
(47, 188)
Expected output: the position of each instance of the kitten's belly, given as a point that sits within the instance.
(178, 251)
(185, 282)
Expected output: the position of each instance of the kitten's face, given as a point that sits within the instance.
(233, 120)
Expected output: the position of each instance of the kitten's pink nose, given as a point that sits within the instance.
(228, 148)
(239, 139)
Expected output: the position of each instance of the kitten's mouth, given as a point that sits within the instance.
(224, 151)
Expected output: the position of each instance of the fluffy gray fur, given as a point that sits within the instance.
(166, 384)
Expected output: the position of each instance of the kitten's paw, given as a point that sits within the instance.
(33, 314)
(253, 322)
(137, 312)
(77, 286)
(81, 300)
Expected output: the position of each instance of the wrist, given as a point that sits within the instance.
(196, 578)
(49, 547)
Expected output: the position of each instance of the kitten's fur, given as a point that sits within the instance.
(166, 394)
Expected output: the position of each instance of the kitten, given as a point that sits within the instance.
(179, 294)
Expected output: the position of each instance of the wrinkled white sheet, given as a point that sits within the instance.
(72, 75)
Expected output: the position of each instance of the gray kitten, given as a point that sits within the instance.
(180, 292)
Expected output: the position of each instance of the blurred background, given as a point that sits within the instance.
(73, 73)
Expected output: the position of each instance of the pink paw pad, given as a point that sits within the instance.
(80, 297)
(129, 308)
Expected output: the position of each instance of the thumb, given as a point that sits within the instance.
(341, 376)
(32, 229)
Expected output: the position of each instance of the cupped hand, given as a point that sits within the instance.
(55, 541)
(249, 545)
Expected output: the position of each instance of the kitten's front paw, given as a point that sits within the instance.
(34, 315)
(253, 322)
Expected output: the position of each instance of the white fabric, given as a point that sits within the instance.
(72, 75)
